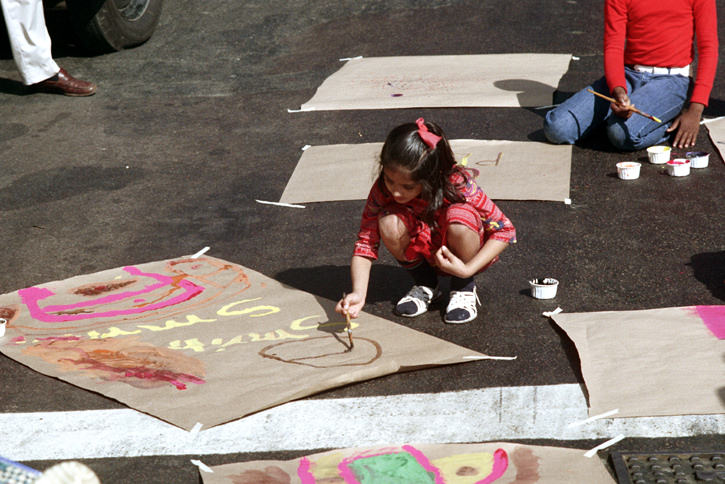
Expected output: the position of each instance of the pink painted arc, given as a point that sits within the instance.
(714, 319)
(33, 295)
(500, 464)
(304, 473)
(348, 477)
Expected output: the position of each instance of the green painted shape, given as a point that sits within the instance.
(396, 468)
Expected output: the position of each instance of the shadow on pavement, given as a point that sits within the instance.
(60, 183)
(709, 268)
(572, 355)
(329, 281)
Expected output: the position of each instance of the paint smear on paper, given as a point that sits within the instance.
(405, 465)
(527, 466)
(8, 313)
(714, 319)
(500, 464)
(133, 295)
(32, 296)
(324, 352)
(270, 475)
(94, 289)
(126, 360)
(304, 473)
(324, 469)
(465, 468)
(391, 468)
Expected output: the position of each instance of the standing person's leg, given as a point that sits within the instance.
(662, 96)
(29, 39)
(578, 116)
(30, 42)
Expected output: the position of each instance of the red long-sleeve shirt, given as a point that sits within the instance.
(661, 33)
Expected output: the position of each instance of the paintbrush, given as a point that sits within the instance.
(631, 108)
(348, 328)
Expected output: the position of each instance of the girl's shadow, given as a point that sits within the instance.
(330, 281)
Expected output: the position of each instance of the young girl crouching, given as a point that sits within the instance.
(433, 218)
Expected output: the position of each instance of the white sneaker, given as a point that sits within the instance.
(416, 302)
(462, 307)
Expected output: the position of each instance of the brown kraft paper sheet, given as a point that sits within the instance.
(202, 340)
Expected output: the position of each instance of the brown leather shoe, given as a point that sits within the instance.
(64, 83)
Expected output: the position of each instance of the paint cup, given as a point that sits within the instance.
(70, 472)
(698, 159)
(628, 170)
(3, 324)
(544, 287)
(659, 155)
(678, 167)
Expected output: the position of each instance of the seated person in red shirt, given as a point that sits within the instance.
(649, 46)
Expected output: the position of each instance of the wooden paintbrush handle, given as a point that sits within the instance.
(631, 108)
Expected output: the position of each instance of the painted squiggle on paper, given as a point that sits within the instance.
(126, 360)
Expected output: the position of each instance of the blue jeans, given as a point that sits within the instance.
(662, 96)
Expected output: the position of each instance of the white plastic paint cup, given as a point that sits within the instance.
(69, 472)
(678, 167)
(544, 288)
(659, 155)
(698, 159)
(3, 324)
(628, 170)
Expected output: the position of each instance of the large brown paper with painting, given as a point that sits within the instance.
(716, 129)
(490, 80)
(203, 340)
(488, 463)
(651, 362)
(506, 170)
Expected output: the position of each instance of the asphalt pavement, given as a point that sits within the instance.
(189, 129)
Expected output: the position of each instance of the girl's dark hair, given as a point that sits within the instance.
(431, 167)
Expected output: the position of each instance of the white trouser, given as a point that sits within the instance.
(29, 39)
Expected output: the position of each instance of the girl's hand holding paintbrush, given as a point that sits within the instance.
(353, 302)
(350, 304)
(623, 106)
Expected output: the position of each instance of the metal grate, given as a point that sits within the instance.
(669, 467)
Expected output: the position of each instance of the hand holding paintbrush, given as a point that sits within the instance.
(631, 108)
(348, 327)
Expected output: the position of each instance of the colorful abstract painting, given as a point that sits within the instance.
(652, 362)
(202, 340)
(422, 464)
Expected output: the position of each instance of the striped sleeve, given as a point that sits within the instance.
(368, 237)
(496, 224)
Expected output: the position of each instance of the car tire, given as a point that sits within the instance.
(109, 25)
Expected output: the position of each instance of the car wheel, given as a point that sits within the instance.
(108, 25)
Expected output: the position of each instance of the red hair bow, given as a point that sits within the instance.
(428, 138)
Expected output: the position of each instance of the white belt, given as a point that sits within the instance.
(673, 71)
